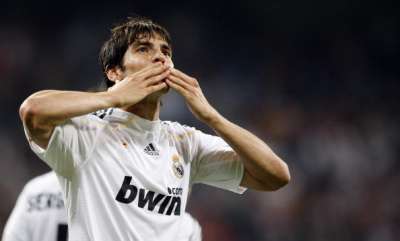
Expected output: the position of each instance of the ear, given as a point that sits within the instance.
(115, 74)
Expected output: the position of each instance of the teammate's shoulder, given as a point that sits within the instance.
(44, 181)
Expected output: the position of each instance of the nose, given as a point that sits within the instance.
(159, 57)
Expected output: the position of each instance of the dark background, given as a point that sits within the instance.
(317, 80)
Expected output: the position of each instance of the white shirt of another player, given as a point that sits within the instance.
(128, 178)
(39, 213)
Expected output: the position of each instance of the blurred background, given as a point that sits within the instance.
(317, 80)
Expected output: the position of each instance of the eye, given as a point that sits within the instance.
(143, 49)
(167, 53)
(166, 50)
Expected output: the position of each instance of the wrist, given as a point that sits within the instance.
(109, 99)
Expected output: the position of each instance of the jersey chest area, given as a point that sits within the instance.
(151, 159)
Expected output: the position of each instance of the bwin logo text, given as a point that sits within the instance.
(128, 193)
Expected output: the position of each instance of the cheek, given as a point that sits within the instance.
(134, 63)
(170, 63)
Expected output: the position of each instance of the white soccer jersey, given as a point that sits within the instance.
(39, 213)
(128, 178)
(192, 230)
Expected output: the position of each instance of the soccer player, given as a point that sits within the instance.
(39, 213)
(124, 173)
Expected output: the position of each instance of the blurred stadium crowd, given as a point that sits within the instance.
(318, 81)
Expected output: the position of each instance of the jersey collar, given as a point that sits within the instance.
(135, 121)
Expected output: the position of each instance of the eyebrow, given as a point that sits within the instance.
(150, 44)
(138, 43)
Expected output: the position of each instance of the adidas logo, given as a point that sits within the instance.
(151, 150)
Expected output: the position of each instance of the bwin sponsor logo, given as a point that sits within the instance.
(167, 204)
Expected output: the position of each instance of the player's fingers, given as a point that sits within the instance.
(157, 78)
(177, 87)
(181, 83)
(148, 68)
(155, 69)
(185, 77)
(148, 71)
(157, 87)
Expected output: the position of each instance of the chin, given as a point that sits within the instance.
(159, 93)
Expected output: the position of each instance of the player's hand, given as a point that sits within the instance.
(190, 89)
(133, 88)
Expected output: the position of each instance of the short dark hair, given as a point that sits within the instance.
(122, 36)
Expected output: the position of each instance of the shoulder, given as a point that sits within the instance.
(45, 182)
(178, 128)
(180, 131)
(92, 121)
(97, 116)
(101, 114)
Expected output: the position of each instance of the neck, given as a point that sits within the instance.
(148, 108)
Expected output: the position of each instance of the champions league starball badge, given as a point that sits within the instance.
(177, 167)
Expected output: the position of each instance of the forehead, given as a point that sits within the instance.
(153, 38)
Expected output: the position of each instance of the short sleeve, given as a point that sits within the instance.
(17, 226)
(69, 145)
(215, 163)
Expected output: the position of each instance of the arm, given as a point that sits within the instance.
(263, 169)
(44, 110)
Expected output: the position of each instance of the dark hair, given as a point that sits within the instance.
(122, 36)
